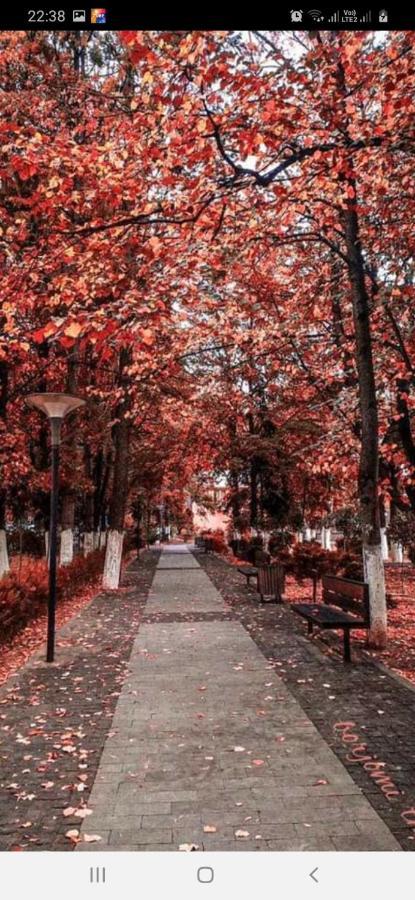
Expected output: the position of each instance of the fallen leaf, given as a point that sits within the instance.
(73, 835)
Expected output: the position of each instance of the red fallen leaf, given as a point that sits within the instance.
(73, 835)
(257, 762)
(320, 781)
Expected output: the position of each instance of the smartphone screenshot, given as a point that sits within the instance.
(207, 453)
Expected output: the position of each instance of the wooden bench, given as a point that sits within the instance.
(249, 572)
(345, 606)
(270, 580)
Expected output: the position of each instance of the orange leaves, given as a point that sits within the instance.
(43, 333)
(73, 330)
(147, 337)
(23, 168)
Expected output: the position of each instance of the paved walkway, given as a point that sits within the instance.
(210, 748)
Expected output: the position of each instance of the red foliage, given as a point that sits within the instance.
(308, 558)
(218, 540)
(24, 590)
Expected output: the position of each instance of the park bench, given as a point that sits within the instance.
(270, 580)
(345, 606)
(200, 543)
(249, 572)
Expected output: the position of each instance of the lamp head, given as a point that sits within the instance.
(55, 407)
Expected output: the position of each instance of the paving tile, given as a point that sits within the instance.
(199, 719)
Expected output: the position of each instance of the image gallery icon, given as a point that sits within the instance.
(98, 16)
(79, 15)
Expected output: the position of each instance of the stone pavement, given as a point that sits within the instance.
(55, 718)
(378, 705)
(209, 747)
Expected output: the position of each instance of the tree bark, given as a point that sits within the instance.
(369, 449)
(88, 512)
(369, 453)
(119, 493)
(4, 556)
(67, 494)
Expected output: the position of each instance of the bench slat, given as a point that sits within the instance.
(351, 596)
(327, 617)
(271, 581)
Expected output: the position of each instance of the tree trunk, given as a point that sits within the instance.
(88, 542)
(4, 556)
(121, 437)
(396, 552)
(68, 499)
(88, 511)
(369, 453)
(102, 474)
(67, 529)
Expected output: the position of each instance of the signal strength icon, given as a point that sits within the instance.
(335, 17)
(366, 18)
(316, 14)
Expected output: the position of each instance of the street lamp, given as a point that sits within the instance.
(55, 407)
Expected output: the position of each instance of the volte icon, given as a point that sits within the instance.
(97, 875)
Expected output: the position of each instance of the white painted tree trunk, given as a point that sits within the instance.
(102, 539)
(328, 539)
(396, 552)
(66, 548)
(267, 536)
(323, 538)
(47, 544)
(96, 540)
(308, 534)
(299, 537)
(384, 543)
(4, 556)
(113, 556)
(88, 542)
(375, 577)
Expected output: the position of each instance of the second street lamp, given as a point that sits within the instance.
(55, 407)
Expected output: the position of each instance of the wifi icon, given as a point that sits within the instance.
(316, 14)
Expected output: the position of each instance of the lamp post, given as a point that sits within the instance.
(55, 407)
